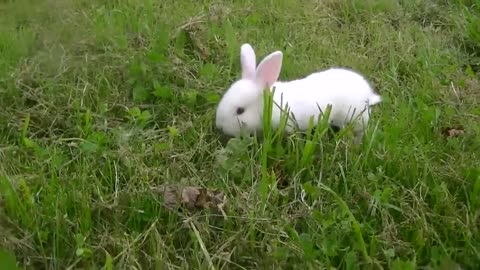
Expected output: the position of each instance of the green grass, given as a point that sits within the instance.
(102, 102)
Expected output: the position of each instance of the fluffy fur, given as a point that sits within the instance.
(240, 109)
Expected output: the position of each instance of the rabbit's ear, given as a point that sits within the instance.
(269, 69)
(248, 61)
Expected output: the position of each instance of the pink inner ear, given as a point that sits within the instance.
(268, 70)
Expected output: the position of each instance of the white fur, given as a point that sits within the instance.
(348, 92)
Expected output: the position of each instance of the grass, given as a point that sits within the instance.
(104, 101)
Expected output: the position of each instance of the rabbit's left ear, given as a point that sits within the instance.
(248, 61)
(268, 70)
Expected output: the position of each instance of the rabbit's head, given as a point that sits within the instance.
(241, 107)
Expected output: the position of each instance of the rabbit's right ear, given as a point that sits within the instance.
(248, 61)
(268, 70)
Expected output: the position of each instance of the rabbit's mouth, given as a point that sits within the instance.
(223, 139)
(335, 128)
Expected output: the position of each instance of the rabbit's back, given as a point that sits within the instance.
(347, 92)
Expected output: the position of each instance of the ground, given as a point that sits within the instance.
(104, 103)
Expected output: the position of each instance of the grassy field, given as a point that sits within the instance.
(102, 103)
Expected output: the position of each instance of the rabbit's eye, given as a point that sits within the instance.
(240, 110)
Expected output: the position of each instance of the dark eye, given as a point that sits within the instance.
(240, 110)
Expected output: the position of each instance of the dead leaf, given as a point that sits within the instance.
(210, 199)
(170, 196)
(203, 199)
(452, 132)
(192, 197)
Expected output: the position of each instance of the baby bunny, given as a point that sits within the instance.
(241, 107)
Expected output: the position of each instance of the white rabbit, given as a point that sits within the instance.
(241, 108)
